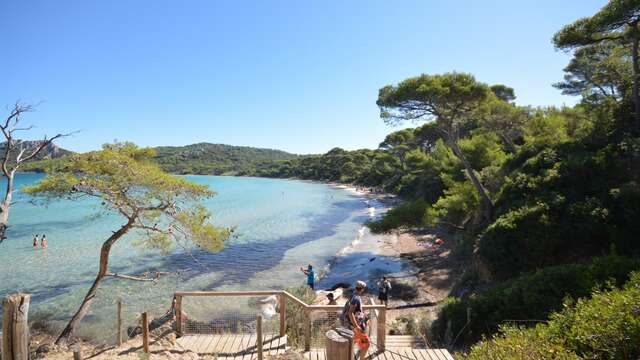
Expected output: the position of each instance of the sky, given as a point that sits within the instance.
(300, 76)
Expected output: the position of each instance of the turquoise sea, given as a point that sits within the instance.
(281, 226)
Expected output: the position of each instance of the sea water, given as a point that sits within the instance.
(281, 225)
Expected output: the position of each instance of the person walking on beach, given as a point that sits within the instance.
(44, 241)
(311, 276)
(384, 287)
(354, 318)
(35, 241)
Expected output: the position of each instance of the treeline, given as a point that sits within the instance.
(215, 159)
(536, 193)
(200, 159)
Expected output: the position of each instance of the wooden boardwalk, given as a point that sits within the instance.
(391, 354)
(398, 347)
(233, 346)
(243, 347)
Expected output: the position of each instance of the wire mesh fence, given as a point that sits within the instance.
(323, 320)
(229, 314)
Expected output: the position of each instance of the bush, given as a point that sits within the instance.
(520, 343)
(546, 217)
(530, 297)
(407, 214)
(606, 326)
(295, 316)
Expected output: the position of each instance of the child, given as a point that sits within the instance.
(35, 241)
(44, 241)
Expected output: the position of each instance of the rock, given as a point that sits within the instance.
(42, 350)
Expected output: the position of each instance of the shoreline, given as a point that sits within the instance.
(430, 271)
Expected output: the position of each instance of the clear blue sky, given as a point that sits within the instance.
(301, 76)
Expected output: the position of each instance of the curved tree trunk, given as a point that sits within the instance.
(487, 204)
(102, 272)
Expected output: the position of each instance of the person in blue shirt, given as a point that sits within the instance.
(354, 318)
(311, 276)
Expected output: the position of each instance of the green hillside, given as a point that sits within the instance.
(203, 159)
(216, 159)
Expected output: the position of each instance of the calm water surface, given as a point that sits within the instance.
(281, 225)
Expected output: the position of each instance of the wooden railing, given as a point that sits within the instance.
(380, 310)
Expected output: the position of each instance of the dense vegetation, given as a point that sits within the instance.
(606, 326)
(529, 298)
(215, 159)
(201, 159)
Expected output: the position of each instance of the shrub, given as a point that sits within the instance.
(407, 214)
(520, 343)
(529, 297)
(295, 316)
(606, 326)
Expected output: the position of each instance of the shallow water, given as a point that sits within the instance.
(281, 226)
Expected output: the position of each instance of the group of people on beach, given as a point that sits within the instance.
(371, 190)
(352, 316)
(43, 241)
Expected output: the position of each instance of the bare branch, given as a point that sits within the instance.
(134, 278)
(43, 144)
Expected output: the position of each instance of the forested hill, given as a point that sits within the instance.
(200, 159)
(216, 159)
(51, 151)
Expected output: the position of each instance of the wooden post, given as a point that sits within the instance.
(307, 329)
(179, 315)
(145, 332)
(119, 315)
(382, 328)
(15, 327)
(77, 355)
(259, 339)
(283, 314)
(337, 347)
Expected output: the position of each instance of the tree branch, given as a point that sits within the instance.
(134, 278)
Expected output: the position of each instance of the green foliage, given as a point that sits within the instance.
(216, 159)
(515, 342)
(609, 22)
(456, 206)
(547, 217)
(126, 181)
(295, 315)
(605, 326)
(432, 96)
(409, 214)
(530, 297)
(598, 72)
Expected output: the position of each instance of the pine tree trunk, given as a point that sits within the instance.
(511, 147)
(102, 273)
(487, 204)
(636, 74)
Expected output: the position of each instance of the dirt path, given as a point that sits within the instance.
(437, 272)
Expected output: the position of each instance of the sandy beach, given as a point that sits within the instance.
(430, 270)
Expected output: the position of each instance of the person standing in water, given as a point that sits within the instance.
(44, 241)
(35, 241)
(311, 276)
